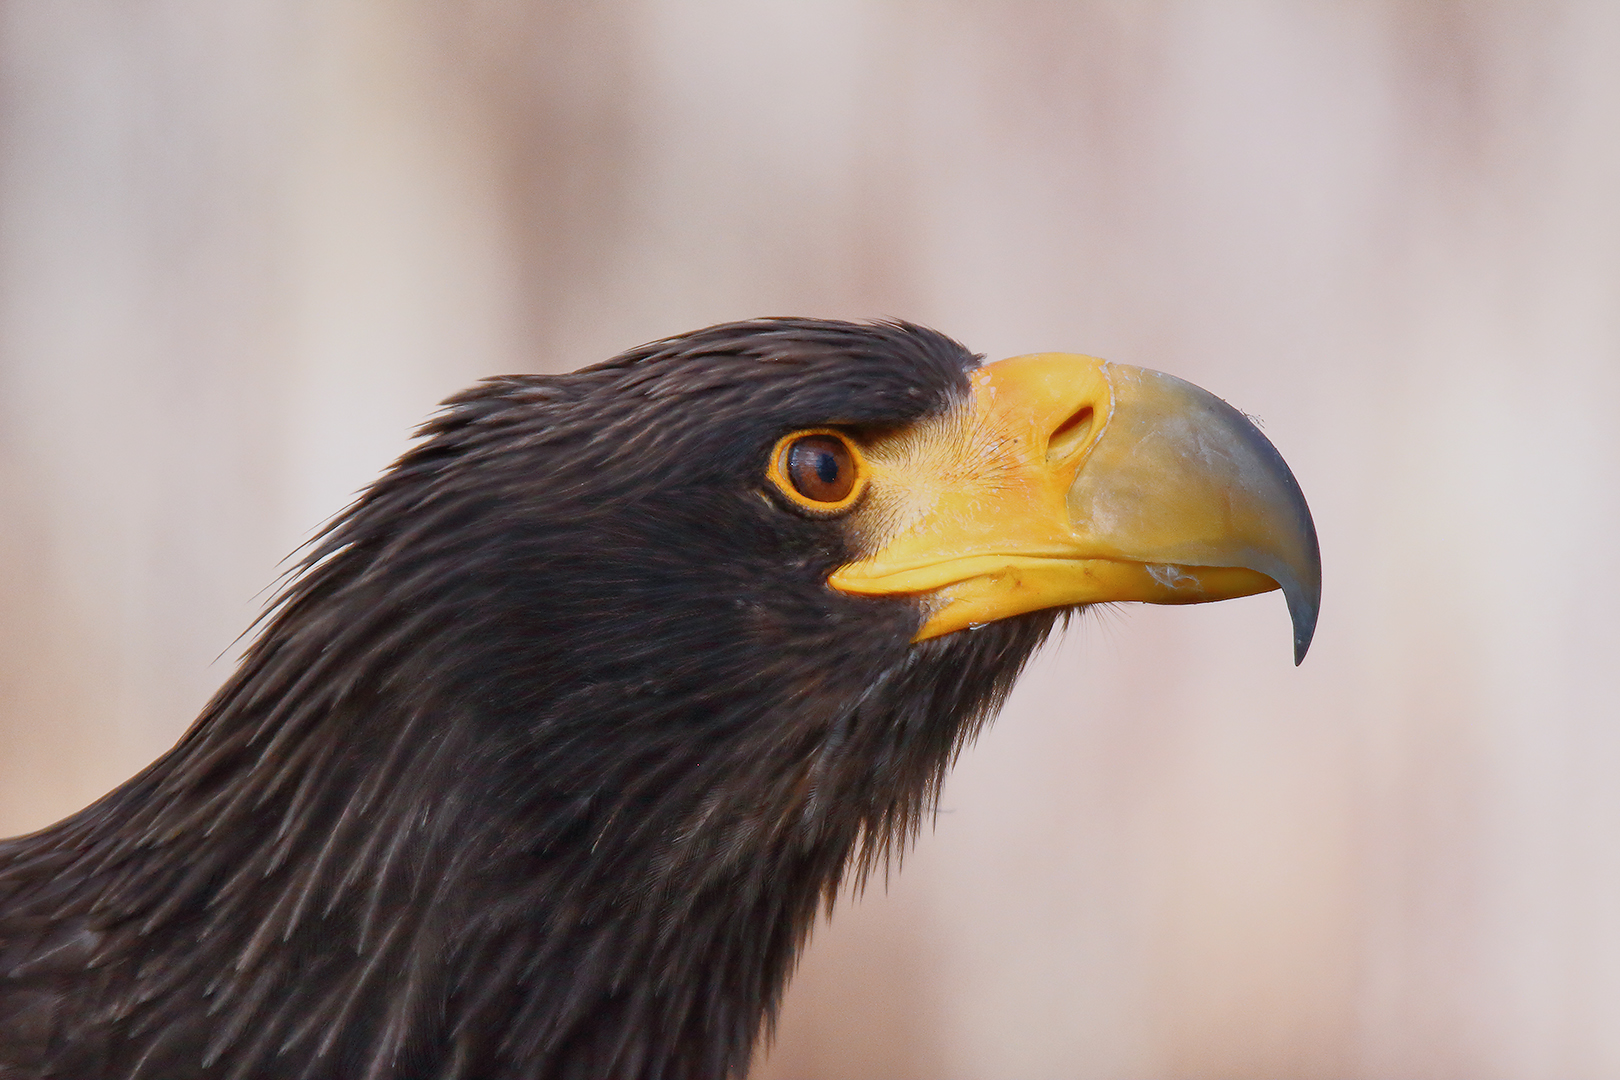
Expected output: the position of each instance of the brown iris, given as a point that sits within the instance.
(819, 470)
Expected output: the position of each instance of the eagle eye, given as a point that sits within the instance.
(820, 471)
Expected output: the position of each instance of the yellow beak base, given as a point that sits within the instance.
(1066, 480)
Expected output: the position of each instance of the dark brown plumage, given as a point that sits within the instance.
(546, 760)
(543, 764)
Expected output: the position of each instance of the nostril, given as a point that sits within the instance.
(1070, 435)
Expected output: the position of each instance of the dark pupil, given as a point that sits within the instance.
(820, 468)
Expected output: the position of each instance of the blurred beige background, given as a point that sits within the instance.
(246, 244)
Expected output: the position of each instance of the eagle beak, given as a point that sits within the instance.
(1068, 480)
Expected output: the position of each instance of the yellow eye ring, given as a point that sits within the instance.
(819, 470)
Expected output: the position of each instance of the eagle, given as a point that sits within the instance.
(559, 739)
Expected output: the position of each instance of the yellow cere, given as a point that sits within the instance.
(1027, 496)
